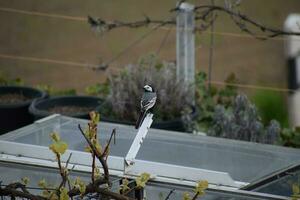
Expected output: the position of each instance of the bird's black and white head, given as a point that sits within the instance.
(148, 88)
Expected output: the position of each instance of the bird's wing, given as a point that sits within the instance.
(148, 100)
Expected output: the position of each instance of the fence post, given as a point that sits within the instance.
(185, 47)
(292, 53)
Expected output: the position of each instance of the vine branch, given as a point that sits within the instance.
(202, 14)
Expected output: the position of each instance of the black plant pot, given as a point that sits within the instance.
(73, 106)
(176, 124)
(14, 114)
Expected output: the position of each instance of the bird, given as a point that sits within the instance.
(147, 102)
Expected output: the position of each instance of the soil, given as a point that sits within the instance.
(70, 110)
(13, 98)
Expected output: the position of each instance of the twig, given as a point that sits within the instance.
(203, 13)
(195, 196)
(272, 32)
(61, 171)
(93, 167)
(105, 65)
(92, 188)
(18, 185)
(113, 134)
(170, 193)
(68, 161)
(12, 192)
(98, 155)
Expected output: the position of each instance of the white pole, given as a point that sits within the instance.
(292, 53)
(185, 47)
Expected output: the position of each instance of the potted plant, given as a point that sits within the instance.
(72, 105)
(122, 104)
(14, 103)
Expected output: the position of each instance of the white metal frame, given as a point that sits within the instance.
(118, 166)
(158, 181)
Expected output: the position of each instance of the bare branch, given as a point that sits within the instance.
(98, 155)
(271, 32)
(11, 190)
(202, 14)
(113, 134)
(170, 193)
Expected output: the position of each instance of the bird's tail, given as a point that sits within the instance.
(140, 119)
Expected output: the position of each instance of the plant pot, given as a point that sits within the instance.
(176, 124)
(14, 103)
(73, 106)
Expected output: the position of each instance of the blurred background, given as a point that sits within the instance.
(50, 42)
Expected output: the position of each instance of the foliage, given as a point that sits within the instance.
(58, 146)
(291, 137)
(241, 121)
(199, 191)
(142, 180)
(14, 82)
(100, 89)
(201, 187)
(296, 192)
(124, 187)
(271, 105)
(55, 92)
(25, 180)
(207, 98)
(126, 90)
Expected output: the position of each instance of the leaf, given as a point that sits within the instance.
(296, 189)
(45, 193)
(63, 194)
(88, 149)
(79, 184)
(142, 180)
(42, 183)
(97, 173)
(25, 180)
(55, 136)
(186, 196)
(98, 146)
(201, 187)
(59, 147)
(53, 196)
(95, 117)
(124, 186)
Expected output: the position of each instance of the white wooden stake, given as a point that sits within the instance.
(138, 140)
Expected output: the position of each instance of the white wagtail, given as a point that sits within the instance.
(148, 100)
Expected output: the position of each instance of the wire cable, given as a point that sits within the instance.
(70, 63)
(46, 60)
(43, 14)
(84, 19)
(258, 87)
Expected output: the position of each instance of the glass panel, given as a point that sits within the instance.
(157, 192)
(154, 191)
(280, 183)
(38, 134)
(15, 172)
(244, 161)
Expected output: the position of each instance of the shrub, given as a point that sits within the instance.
(123, 101)
(271, 105)
(207, 98)
(5, 82)
(55, 92)
(242, 122)
(291, 137)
